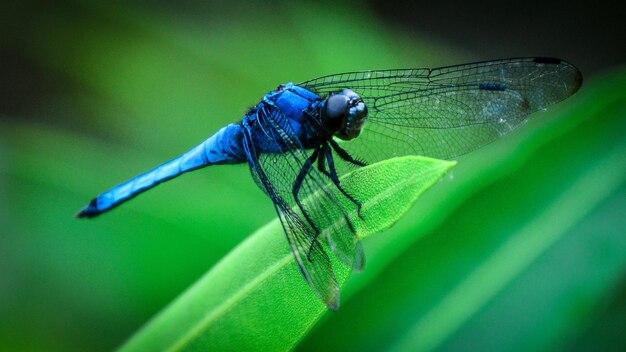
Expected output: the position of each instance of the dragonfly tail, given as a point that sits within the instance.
(90, 210)
(221, 148)
(119, 194)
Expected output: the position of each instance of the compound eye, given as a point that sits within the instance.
(337, 106)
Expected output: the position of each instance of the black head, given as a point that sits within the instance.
(344, 114)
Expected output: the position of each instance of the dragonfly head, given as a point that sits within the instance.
(344, 114)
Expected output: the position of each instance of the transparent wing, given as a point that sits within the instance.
(449, 111)
(320, 222)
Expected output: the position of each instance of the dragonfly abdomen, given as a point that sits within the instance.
(224, 147)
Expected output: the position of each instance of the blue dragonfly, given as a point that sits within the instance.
(300, 138)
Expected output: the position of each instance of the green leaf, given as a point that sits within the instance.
(256, 298)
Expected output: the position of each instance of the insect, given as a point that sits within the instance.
(300, 138)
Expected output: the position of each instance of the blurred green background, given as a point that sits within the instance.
(522, 247)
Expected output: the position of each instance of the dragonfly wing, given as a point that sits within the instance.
(446, 112)
(320, 222)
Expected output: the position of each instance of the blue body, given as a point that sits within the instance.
(224, 147)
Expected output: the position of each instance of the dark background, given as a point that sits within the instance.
(589, 34)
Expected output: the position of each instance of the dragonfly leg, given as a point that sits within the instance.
(335, 178)
(298, 185)
(296, 190)
(321, 162)
(345, 155)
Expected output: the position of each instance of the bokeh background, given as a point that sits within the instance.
(522, 247)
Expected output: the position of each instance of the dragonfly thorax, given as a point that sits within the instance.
(343, 114)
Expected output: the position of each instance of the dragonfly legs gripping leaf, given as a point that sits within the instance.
(321, 154)
(324, 155)
(298, 185)
(327, 157)
(345, 155)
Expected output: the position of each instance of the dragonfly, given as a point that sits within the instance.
(300, 138)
